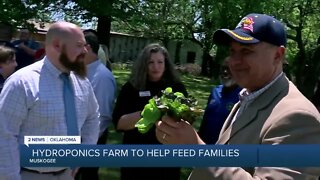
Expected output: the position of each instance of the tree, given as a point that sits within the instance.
(194, 20)
(172, 20)
(301, 19)
(19, 13)
(79, 12)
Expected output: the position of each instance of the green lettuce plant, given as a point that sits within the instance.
(173, 104)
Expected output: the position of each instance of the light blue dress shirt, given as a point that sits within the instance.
(104, 87)
(246, 97)
(31, 103)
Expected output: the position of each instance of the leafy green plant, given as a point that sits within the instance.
(173, 104)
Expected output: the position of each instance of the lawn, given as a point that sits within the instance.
(199, 87)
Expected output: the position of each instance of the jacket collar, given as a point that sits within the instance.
(250, 114)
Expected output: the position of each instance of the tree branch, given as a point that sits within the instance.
(294, 38)
(291, 26)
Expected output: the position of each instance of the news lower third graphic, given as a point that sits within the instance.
(60, 151)
(52, 140)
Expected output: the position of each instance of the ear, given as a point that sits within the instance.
(57, 44)
(88, 47)
(279, 55)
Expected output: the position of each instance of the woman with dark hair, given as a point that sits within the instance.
(151, 73)
(7, 64)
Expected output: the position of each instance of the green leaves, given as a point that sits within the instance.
(150, 115)
(175, 105)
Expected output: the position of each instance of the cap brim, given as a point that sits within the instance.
(224, 36)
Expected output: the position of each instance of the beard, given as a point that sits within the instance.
(227, 82)
(78, 66)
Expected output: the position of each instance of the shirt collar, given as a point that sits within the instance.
(51, 68)
(246, 96)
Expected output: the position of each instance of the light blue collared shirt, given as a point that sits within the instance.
(104, 87)
(246, 97)
(31, 103)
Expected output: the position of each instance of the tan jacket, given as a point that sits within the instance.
(281, 115)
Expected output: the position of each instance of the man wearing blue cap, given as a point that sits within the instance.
(271, 109)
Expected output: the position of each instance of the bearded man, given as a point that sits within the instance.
(220, 102)
(51, 97)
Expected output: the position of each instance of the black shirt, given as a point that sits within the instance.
(130, 101)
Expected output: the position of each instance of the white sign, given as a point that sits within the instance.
(52, 140)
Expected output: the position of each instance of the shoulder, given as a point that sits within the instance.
(34, 44)
(178, 86)
(104, 71)
(24, 80)
(15, 42)
(218, 88)
(27, 73)
(128, 86)
(98, 69)
(284, 98)
(296, 100)
(294, 108)
(102, 77)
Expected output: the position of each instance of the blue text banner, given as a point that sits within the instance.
(169, 155)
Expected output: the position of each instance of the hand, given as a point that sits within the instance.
(22, 45)
(128, 121)
(168, 131)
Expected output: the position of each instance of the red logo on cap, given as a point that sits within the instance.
(247, 23)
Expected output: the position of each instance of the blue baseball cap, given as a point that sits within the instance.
(252, 29)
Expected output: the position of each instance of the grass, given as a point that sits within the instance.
(198, 87)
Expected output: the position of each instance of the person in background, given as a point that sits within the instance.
(220, 102)
(40, 52)
(6, 33)
(7, 64)
(152, 72)
(26, 49)
(104, 87)
(51, 97)
(103, 50)
(271, 109)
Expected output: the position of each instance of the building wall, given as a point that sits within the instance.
(124, 47)
(186, 47)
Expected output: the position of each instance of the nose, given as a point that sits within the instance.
(154, 66)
